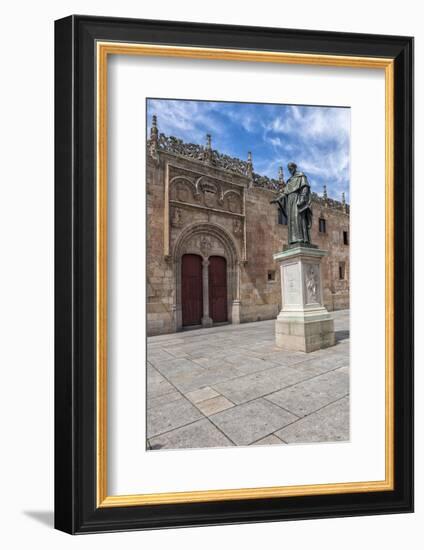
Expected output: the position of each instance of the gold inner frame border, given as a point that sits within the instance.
(103, 50)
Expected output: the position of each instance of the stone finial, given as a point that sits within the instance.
(154, 128)
(154, 139)
(281, 181)
(208, 149)
(324, 194)
(249, 164)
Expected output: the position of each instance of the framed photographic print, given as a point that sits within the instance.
(234, 274)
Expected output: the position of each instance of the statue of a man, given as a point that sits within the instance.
(295, 203)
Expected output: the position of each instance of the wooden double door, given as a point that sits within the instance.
(192, 295)
(218, 289)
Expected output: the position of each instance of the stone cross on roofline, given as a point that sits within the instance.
(159, 142)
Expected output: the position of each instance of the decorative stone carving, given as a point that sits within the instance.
(153, 144)
(177, 217)
(281, 180)
(209, 199)
(208, 151)
(265, 182)
(209, 191)
(234, 204)
(233, 201)
(183, 193)
(207, 186)
(183, 189)
(249, 165)
(237, 227)
(312, 284)
(205, 245)
(170, 144)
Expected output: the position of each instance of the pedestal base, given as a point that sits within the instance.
(303, 324)
(304, 335)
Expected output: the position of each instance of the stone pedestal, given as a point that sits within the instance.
(303, 324)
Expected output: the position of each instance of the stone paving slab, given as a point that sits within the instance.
(171, 415)
(244, 364)
(246, 388)
(176, 367)
(199, 434)
(288, 359)
(310, 395)
(249, 422)
(231, 385)
(214, 405)
(269, 440)
(194, 380)
(157, 384)
(163, 399)
(324, 363)
(330, 423)
(159, 356)
(197, 396)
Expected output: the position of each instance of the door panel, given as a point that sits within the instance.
(218, 289)
(191, 289)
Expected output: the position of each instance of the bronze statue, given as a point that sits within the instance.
(295, 203)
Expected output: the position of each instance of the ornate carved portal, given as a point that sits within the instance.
(211, 248)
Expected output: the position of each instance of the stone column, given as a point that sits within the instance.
(303, 323)
(235, 306)
(206, 320)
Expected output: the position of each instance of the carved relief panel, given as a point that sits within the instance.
(209, 193)
(205, 245)
(196, 198)
(312, 284)
(177, 217)
(292, 288)
(205, 191)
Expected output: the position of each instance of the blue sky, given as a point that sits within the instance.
(316, 138)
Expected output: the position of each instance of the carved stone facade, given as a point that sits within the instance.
(202, 203)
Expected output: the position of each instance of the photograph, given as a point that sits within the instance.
(247, 274)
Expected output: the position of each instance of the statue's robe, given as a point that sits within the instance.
(295, 202)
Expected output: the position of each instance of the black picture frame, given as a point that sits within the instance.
(76, 508)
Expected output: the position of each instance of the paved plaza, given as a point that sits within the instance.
(230, 385)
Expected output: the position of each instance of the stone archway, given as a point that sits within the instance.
(206, 240)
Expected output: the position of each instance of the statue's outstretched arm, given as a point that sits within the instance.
(281, 201)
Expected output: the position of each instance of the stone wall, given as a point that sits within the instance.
(194, 206)
(261, 298)
(159, 288)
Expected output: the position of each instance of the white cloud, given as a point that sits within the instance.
(188, 120)
(312, 122)
(319, 140)
(316, 138)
